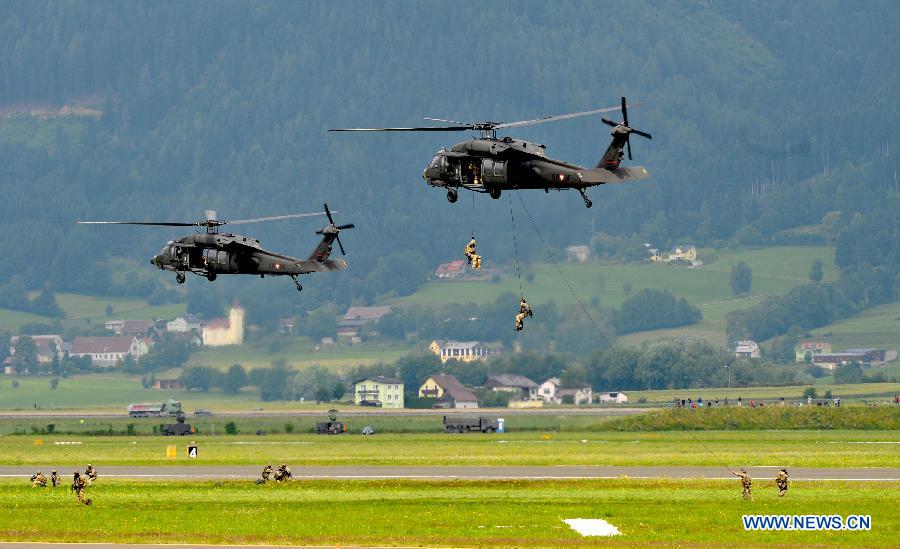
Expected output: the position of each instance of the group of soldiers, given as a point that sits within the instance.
(278, 475)
(781, 481)
(80, 481)
(475, 262)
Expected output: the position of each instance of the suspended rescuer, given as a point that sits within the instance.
(524, 310)
(782, 482)
(472, 254)
(746, 483)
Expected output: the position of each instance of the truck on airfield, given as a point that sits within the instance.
(155, 409)
(467, 424)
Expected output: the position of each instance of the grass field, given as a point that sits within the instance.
(300, 352)
(442, 513)
(734, 448)
(81, 310)
(775, 270)
(857, 392)
(876, 327)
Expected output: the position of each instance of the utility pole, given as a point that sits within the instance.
(729, 376)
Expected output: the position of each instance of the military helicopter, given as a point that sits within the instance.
(489, 164)
(213, 253)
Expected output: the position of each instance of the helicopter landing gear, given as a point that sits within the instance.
(297, 284)
(179, 278)
(210, 276)
(452, 196)
(495, 193)
(587, 201)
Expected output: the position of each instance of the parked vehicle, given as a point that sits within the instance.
(155, 409)
(177, 429)
(466, 424)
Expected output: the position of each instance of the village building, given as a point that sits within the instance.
(463, 351)
(522, 387)
(386, 392)
(184, 324)
(457, 398)
(109, 350)
(225, 331)
(612, 398)
(548, 389)
(450, 270)
(866, 357)
(808, 348)
(47, 347)
(682, 253)
(746, 349)
(137, 328)
(578, 396)
(165, 384)
(578, 254)
(360, 320)
(287, 325)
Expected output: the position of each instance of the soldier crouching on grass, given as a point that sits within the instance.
(266, 475)
(782, 482)
(38, 479)
(746, 483)
(283, 473)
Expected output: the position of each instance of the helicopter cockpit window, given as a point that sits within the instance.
(436, 162)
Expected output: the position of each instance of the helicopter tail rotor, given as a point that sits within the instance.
(624, 127)
(334, 229)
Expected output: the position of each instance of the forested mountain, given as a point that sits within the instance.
(772, 122)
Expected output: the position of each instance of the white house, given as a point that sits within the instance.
(221, 331)
(107, 351)
(548, 389)
(581, 395)
(746, 349)
(613, 398)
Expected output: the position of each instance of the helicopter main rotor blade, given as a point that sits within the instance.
(162, 224)
(273, 218)
(554, 118)
(450, 121)
(423, 129)
(642, 134)
(624, 112)
(609, 122)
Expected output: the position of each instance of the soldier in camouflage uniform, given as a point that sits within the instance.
(782, 482)
(78, 486)
(91, 473)
(524, 310)
(38, 479)
(282, 473)
(472, 254)
(746, 482)
(54, 478)
(266, 474)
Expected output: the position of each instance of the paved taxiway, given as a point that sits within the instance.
(222, 472)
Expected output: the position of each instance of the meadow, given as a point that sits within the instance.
(829, 448)
(442, 513)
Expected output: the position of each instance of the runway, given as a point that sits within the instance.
(237, 472)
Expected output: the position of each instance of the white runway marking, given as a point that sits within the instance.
(592, 527)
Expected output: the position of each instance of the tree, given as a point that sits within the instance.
(235, 379)
(848, 373)
(314, 383)
(810, 392)
(815, 272)
(741, 279)
(200, 377)
(25, 356)
(274, 384)
(652, 309)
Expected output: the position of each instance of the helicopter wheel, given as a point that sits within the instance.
(210, 276)
(297, 284)
(588, 203)
(495, 193)
(452, 196)
(179, 278)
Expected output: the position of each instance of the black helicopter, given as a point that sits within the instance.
(213, 253)
(489, 164)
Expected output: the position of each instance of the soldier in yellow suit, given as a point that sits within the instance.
(38, 479)
(524, 310)
(472, 254)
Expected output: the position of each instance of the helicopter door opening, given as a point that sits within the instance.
(493, 171)
(472, 173)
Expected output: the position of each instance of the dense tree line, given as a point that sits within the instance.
(653, 309)
(202, 103)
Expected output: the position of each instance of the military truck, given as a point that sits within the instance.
(155, 409)
(177, 429)
(332, 426)
(467, 424)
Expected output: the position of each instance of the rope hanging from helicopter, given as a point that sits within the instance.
(516, 247)
(587, 312)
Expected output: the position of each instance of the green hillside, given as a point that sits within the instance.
(875, 327)
(774, 270)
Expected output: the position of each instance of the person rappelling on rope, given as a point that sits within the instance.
(524, 310)
(472, 254)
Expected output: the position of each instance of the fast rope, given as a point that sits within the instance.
(474, 217)
(515, 246)
(588, 314)
(562, 275)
